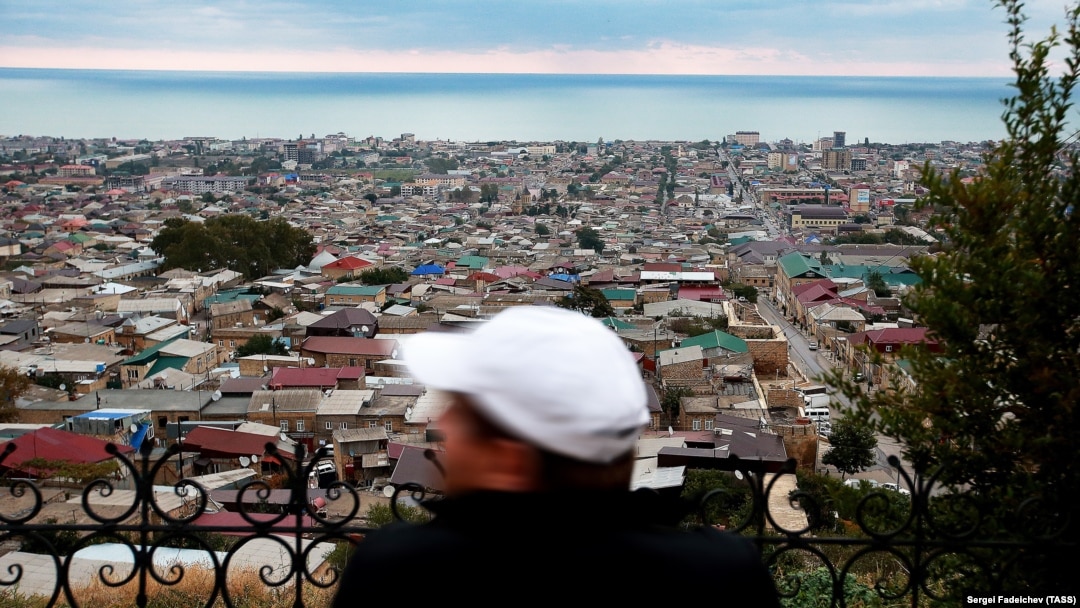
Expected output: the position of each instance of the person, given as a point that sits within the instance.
(545, 408)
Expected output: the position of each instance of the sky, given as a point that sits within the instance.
(738, 37)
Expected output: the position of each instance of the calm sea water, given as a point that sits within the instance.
(156, 105)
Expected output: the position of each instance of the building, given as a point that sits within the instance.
(218, 184)
(836, 159)
(747, 138)
(839, 139)
(817, 217)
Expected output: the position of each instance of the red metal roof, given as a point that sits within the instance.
(222, 443)
(53, 444)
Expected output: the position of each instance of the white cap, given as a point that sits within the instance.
(550, 376)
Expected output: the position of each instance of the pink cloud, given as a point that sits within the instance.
(660, 57)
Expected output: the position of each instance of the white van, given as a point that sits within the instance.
(818, 413)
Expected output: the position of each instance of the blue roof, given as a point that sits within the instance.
(428, 269)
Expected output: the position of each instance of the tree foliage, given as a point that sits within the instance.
(996, 410)
(384, 276)
(12, 386)
(236, 242)
(589, 238)
(588, 301)
(261, 344)
(853, 447)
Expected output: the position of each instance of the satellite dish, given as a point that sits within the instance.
(215, 396)
(86, 340)
(134, 428)
(63, 387)
(388, 491)
(738, 475)
(254, 458)
(244, 461)
(364, 328)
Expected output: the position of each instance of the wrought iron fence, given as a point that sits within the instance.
(914, 552)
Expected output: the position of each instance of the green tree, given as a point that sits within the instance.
(589, 238)
(876, 282)
(235, 241)
(12, 385)
(997, 407)
(588, 301)
(542, 229)
(489, 193)
(261, 344)
(384, 276)
(853, 447)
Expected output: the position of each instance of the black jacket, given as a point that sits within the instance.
(608, 546)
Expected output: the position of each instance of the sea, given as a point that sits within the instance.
(487, 107)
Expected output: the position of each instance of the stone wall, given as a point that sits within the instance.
(769, 356)
(801, 443)
(783, 398)
(686, 369)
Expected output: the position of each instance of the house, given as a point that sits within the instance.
(347, 268)
(291, 410)
(237, 313)
(348, 322)
(355, 295)
(340, 410)
(333, 351)
(321, 378)
(196, 358)
(37, 450)
(361, 455)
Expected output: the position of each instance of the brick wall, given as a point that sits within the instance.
(769, 356)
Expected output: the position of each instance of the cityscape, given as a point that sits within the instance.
(858, 355)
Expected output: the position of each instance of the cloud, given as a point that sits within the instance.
(657, 57)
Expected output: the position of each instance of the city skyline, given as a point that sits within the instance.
(837, 37)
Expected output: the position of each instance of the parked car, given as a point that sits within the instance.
(896, 488)
(856, 483)
(813, 345)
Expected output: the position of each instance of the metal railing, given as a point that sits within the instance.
(917, 550)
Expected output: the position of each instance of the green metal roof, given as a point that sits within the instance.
(619, 294)
(355, 290)
(167, 362)
(474, 262)
(616, 324)
(717, 339)
(148, 354)
(796, 264)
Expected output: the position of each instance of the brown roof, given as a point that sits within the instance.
(350, 346)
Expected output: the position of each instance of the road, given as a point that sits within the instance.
(813, 364)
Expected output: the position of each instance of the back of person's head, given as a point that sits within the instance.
(553, 379)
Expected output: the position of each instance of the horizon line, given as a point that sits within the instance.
(478, 73)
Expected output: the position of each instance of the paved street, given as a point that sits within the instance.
(812, 364)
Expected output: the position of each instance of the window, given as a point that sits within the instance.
(372, 424)
(388, 425)
(697, 424)
(162, 421)
(888, 348)
(329, 426)
(344, 425)
(352, 362)
(299, 426)
(708, 425)
(221, 342)
(285, 426)
(133, 374)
